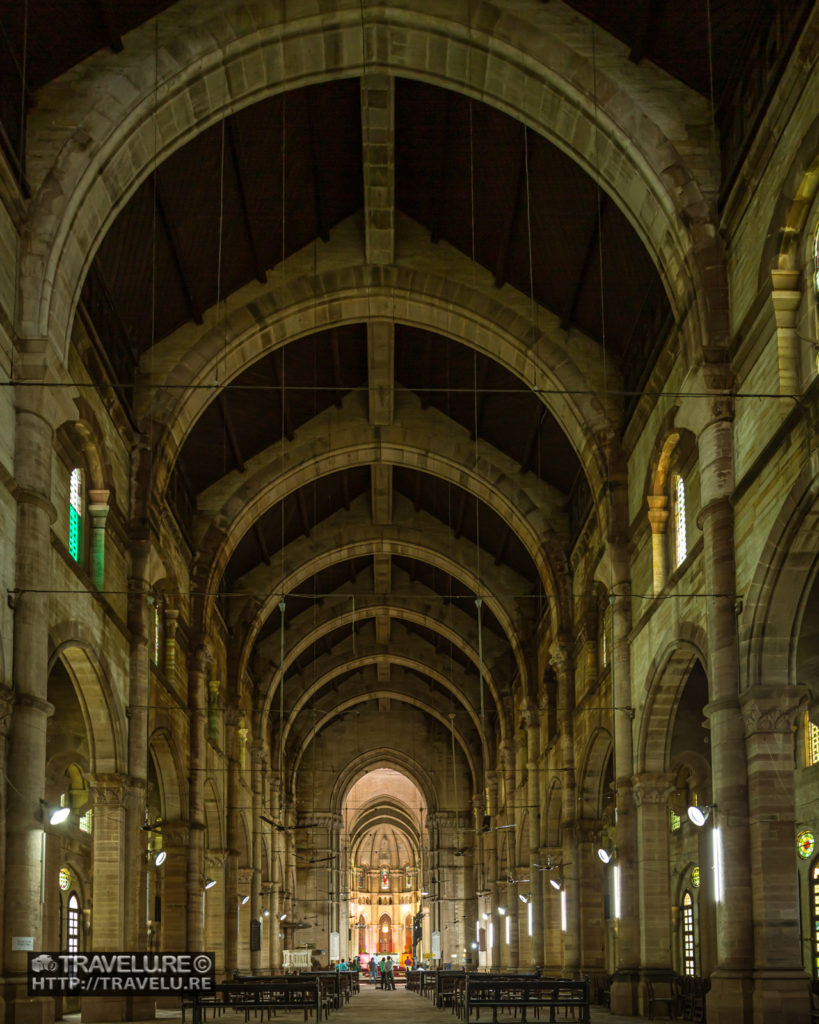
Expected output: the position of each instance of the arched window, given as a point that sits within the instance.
(385, 934)
(814, 907)
(75, 514)
(678, 513)
(689, 953)
(72, 944)
(362, 933)
(811, 742)
(385, 878)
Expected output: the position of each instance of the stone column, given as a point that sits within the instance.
(212, 906)
(624, 984)
(171, 625)
(592, 883)
(33, 444)
(170, 885)
(108, 795)
(786, 298)
(276, 873)
(532, 719)
(780, 982)
(730, 997)
(651, 793)
(258, 768)
(658, 519)
(234, 827)
(197, 669)
(135, 926)
(563, 666)
(98, 513)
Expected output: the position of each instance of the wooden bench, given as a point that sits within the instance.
(270, 997)
(525, 994)
(446, 986)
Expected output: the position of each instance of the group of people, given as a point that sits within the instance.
(383, 969)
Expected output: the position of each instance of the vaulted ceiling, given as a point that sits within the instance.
(414, 583)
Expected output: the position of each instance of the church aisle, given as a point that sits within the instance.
(374, 1006)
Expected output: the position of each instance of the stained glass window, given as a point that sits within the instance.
(85, 822)
(73, 944)
(814, 894)
(75, 514)
(689, 955)
(695, 877)
(155, 651)
(811, 742)
(385, 878)
(805, 844)
(674, 820)
(678, 503)
(65, 879)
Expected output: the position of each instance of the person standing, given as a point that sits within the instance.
(390, 975)
(373, 969)
(382, 968)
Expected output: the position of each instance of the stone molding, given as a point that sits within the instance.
(767, 710)
(652, 788)
(109, 790)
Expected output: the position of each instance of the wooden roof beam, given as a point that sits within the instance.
(230, 430)
(319, 202)
(195, 306)
(335, 354)
(106, 18)
(278, 377)
(378, 146)
(236, 147)
(512, 219)
(641, 44)
(583, 264)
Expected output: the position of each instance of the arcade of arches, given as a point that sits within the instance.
(515, 558)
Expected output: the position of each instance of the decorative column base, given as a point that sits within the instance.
(624, 985)
(731, 996)
(17, 1008)
(782, 996)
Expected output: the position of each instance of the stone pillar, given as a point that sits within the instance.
(786, 298)
(658, 519)
(33, 445)
(108, 795)
(170, 885)
(651, 793)
(197, 669)
(532, 719)
(98, 514)
(213, 904)
(780, 982)
(171, 625)
(135, 925)
(276, 873)
(258, 768)
(730, 997)
(563, 666)
(234, 828)
(592, 884)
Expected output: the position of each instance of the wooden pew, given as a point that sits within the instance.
(526, 994)
(261, 996)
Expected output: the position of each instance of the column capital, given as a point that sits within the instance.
(769, 709)
(108, 789)
(200, 657)
(652, 787)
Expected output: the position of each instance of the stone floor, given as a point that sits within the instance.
(372, 1006)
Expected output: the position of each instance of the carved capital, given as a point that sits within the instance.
(216, 859)
(108, 790)
(200, 657)
(773, 710)
(652, 788)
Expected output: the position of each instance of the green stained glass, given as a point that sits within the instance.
(805, 844)
(74, 534)
(695, 877)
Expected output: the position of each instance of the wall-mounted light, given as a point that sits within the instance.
(265, 912)
(556, 883)
(55, 814)
(699, 815)
(282, 916)
(605, 854)
(209, 883)
(244, 900)
(160, 858)
(501, 910)
(523, 898)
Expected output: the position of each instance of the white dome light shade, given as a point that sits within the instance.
(605, 855)
(556, 883)
(160, 857)
(698, 815)
(59, 815)
(209, 883)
